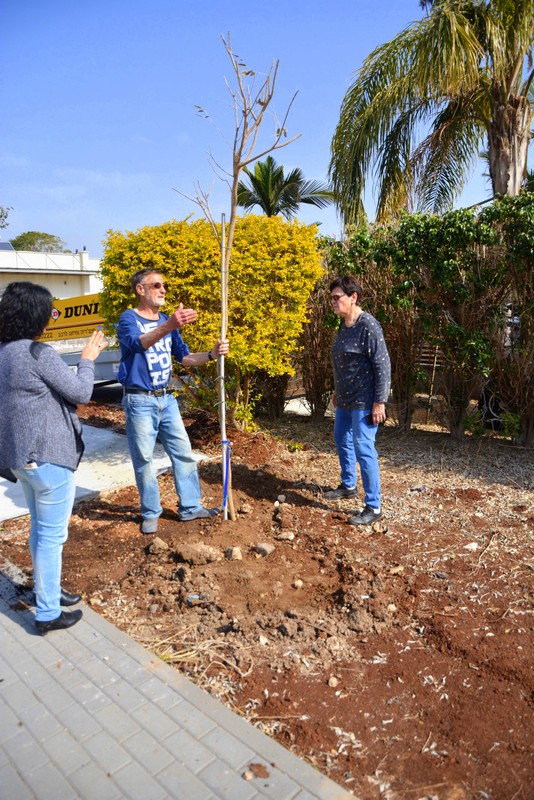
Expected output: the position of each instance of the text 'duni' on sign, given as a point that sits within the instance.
(73, 318)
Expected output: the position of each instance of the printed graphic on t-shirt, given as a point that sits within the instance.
(158, 357)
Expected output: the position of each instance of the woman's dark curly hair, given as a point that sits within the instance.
(25, 309)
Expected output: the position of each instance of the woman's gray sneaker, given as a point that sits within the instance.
(366, 516)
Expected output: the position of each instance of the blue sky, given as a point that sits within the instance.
(98, 101)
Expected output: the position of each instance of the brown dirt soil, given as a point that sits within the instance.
(396, 659)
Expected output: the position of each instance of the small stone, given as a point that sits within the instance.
(264, 549)
(153, 608)
(198, 553)
(245, 508)
(96, 601)
(298, 584)
(198, 599)
(276, 503)
(379, 527)
(285, 536)
(288, 628)
(333, 681)
(233, 554)
(248, 775)
(263, 640)
(392, 608)
(281, 498)
(157, 545)
(472, 546)
(333, 644)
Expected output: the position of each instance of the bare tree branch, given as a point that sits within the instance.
(251, 104)
(201, 199)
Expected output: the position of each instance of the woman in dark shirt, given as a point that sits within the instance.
(362, 376)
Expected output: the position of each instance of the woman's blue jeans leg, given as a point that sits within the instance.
(364, 435)
(345, 447)
(355, 442)
(49, 491)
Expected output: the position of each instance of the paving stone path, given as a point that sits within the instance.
(88, 713)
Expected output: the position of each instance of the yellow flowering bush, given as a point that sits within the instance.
(273, 269)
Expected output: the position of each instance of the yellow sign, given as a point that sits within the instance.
(74, 318)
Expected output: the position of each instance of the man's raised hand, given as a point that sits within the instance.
(182, 316)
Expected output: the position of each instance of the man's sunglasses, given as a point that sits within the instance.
(156, 285)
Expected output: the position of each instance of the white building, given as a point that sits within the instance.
(63, 274)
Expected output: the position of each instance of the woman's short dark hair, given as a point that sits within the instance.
(139, 277)
(348, 284)
(25, 309)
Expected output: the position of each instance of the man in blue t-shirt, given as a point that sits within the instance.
(148, 340)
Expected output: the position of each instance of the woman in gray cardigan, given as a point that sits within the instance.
(41, 436)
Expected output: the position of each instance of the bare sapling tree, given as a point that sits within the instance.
(251, 105)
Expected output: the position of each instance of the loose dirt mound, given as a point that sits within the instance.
(393, 658)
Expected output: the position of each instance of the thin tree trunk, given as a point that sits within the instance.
(226, 448)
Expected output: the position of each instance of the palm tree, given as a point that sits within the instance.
(277, 193)
(465, 70)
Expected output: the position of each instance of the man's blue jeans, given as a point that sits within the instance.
(355, 442)
(147, 418)
(49, 491)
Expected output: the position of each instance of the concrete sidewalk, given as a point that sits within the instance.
(88, 713)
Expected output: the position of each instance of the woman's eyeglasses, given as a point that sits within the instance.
(156, 285)
(336, 297)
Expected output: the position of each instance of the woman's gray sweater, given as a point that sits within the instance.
(38, 397)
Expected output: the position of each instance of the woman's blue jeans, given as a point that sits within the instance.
(49, 491)
(147, 418)
(355, 442)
